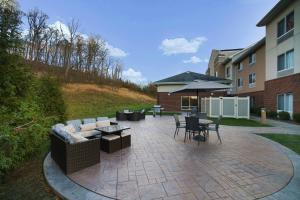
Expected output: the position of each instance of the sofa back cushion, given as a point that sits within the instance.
(89, 120)
(102, 118)
(76, 123)
(57, 127)
(70, 128)
(103, 123)
(87, 127)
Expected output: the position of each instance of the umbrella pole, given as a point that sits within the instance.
(197, 100)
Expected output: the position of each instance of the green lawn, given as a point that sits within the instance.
(87, 103)
(242, 122)
(290, 141)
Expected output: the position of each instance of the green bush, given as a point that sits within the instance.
(272, 114)
(255, 111)
(284, 115)
(50, 99)
(296, 117)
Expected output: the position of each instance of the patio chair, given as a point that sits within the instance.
(121, 116)
(135, 116)
(201, 115)
(192, 126)
(215, 127)
(194, 112)
(142, 114)
(179, 124)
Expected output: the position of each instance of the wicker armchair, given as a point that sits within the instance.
(74, 157)
(142, 114)
(120, 116)
(135, 116)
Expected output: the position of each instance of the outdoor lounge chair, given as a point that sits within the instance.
(135, 116)
(121, 116)
(178, 124)
(74, 157)
(215, 127)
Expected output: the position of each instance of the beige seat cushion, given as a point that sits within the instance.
(88, 133)
(103, 123)
(124, 134)
(76, 138)
(111, 137)
(87, 127)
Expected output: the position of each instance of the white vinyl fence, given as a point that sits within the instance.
(234, 107)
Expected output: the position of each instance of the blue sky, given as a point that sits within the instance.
(159, 38)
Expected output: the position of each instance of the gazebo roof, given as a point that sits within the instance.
(202, 86)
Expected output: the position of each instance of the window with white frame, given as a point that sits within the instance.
(252, 58)
(240, 66)
(285, 25)
(189, 102)
(252, 79)
(285, 61)
(285, 102)
(240, 82)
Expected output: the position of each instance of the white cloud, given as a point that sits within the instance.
(181, 45)
(134, 76)
(195, 60)
(60, 26)
(116, 52)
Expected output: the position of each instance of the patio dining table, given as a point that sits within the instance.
(206, 123)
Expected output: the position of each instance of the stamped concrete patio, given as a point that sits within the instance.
(157, 166)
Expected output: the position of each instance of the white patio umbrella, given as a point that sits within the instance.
(202, 86)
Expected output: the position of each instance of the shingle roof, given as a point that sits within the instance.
(281, 5)
(187, 77)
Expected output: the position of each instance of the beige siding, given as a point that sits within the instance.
(258, 68)
(168, 88)
(273, 49)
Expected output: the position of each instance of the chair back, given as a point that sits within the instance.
(201, 115)
(194, 111)
(192, 124)
(176, 120)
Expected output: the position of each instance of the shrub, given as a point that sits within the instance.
(284, 115)
(272, 114)
(296, 117)
(255, 111)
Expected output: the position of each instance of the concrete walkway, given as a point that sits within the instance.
(281, 127)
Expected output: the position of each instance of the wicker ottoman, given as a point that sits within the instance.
(126, 140)
(110, 143)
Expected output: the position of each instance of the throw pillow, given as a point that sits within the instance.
(87, 127)
(103, 123)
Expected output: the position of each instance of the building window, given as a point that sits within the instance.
(240, 66)
(228, 72)
(285, 102)
(189, 102)
(285, 61)
(252, 58)
(240, 82)
(252, 80)
(285, 25)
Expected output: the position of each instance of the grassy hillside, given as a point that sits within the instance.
(90, 100)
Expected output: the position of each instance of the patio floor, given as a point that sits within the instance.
(157, 166)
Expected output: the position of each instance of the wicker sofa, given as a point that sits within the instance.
(72, 156)
(134, 116)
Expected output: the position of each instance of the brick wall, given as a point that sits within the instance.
(172, 102)
(280, 86)
(258, 95)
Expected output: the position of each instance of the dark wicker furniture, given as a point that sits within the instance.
(111, 143)
(125, 140)
(134, 116)
(120, 116)
(74, 157)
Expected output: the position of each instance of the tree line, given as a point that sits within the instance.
(67, 49)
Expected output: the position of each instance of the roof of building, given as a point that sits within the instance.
(279, 7)
(187, 77)
(247, 51)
